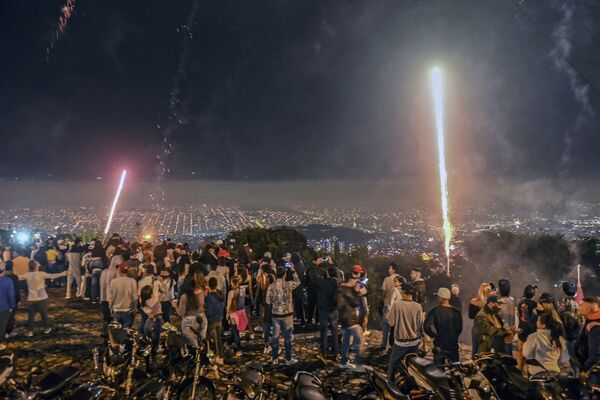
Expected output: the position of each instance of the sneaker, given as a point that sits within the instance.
(47, 330)
(68, 297)
(267, 349)
(346, 366)
(275, 361)
(258, 328)
(10, 335)
(29, 334)
(291, 362)
(251, 336)
(86, 298)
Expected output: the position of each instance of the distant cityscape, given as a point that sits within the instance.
(413, 230)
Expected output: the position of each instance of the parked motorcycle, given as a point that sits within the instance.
(39, 385)
(251, 385)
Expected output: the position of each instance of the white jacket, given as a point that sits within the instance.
(539, 346)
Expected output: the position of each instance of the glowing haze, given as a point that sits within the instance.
(436, 86)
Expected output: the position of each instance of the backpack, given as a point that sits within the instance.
(571, 319)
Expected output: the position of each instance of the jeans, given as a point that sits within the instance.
(11, 320)
(74, 274)
(192, 329)
(328, 320)
(215, 331)
(41, 307)
(298, 295)
(166, 310)
(4, 317)
(235, 336)
(571, 350)
(283, 326)
(385, 328)
(123, 318)
(445, 356)
(355, 333)
(311, 307)
(144, 318)
(397, 353)
(152, 329)
(95, 287)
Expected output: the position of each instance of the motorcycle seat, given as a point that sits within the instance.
(428, 368)
(56, 381)
(308, 389)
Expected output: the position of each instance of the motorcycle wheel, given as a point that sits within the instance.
(203, 392)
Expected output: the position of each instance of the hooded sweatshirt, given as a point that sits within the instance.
(588, 344)
(540, 347)
(407, 319)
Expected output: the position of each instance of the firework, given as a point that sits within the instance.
(436, 86)
(66, 12)
(115, 201)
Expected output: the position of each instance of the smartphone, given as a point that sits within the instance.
(326, 258)
(287, 265)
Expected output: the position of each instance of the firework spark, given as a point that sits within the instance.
(436, 86)
(115, 201)
(66, 12)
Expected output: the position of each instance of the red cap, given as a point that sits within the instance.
(357, 269)
(223, 253)
(123, 267)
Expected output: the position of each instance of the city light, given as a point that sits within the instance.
(437, 89)
(115, 201)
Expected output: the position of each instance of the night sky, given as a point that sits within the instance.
(281, 89)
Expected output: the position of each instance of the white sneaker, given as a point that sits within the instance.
(267, 349)
(251, 336)
(10, 335)
(275, 361)
(68, 297)
(47, 330)
(291, 362)
(258, 328)
(86, 298)
(29, 334)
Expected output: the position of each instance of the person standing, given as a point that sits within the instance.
(455, 300)
(312, 276)
(526, 309)
(166, 290)
(192, 313)
(475, 305)
(122, 297)
(508, 309)
(588, 343)
(490, 329)
(571, 319)
(264, 279)
(150, 305)
(236, 313)
(37, 298)
(420, 289)
(280, 298)
(327, 303)
(387, 289)
(349, 311)
(7, 302)
(444, 324)
(74, 256)
(406, 318)
(215, 304)
(10, 328)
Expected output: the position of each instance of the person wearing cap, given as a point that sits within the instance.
(406, 318)
(444, 324)
(37, 298)
(349, 303)
(491, 334)
(363, 290)
(122, 297)
(7, 301)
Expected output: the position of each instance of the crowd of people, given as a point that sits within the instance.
(209, 293)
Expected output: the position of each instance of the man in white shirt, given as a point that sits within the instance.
(122, 296)
(387, 289)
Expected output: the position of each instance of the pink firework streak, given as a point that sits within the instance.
(63, 20)
(115, 201)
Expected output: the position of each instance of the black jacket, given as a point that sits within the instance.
(327, 292)
(348, 302)
(444, 325)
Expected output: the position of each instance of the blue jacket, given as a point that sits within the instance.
(588, 345)
(7, 293)
(214, 306)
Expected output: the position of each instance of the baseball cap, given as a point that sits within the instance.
(492, 299)
(224, 253)
(268, 255)
(357, 269)
(123, 267)
(443, 293)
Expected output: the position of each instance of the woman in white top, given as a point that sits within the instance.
(547, 345)
(37, 298)
(150, 303)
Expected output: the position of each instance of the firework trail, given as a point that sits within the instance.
(115, 201)
(66, 12)
(436, 86)
(177, 108)
(560, 55)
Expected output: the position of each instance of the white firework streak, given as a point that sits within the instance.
(177, 111)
